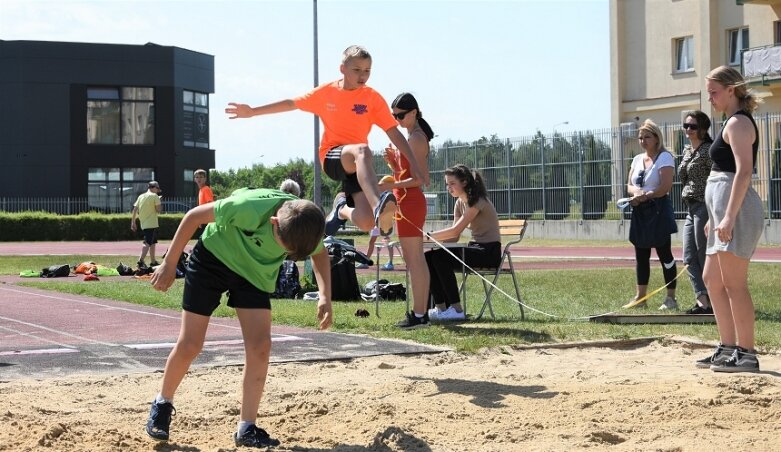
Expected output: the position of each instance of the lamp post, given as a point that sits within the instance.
(316, 195)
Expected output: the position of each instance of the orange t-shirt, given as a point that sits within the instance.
(347, 115)
(205, 195)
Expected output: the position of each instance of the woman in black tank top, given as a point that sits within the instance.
(735, 223)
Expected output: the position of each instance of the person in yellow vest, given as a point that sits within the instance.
(146, 209)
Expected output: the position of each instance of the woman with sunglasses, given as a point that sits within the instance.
(693, 173)
(411, 213)
(735, 224)
(653, 221)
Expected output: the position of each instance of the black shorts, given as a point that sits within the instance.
(207, 278)
(150, 236)
(332, 167)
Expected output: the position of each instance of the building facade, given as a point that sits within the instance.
(98, 121)
(661, 51)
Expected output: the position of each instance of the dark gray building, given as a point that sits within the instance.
(98, 121)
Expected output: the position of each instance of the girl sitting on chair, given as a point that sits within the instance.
(472, 210)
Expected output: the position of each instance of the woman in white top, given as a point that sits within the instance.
(653, 222)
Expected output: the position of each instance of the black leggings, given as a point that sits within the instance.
(442, 266)
(643, 268)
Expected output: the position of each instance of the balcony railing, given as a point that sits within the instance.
(761, 64)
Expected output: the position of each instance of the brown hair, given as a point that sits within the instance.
(301, 227)
(472, 180)
(703, 124)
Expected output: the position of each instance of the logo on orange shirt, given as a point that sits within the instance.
(360, 109)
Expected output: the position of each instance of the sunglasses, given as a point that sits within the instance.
(689, 126)
(400, 115)
(640, 178)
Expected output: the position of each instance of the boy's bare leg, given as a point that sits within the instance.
(256, 331)
(189, 344)
(357, 158)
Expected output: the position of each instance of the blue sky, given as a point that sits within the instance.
(476, 67)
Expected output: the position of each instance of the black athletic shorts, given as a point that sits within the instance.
(207, 278)
(150, 236)
(332, 167)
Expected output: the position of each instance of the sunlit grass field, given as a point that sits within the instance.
(566, 296)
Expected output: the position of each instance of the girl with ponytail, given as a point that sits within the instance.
(472, 210)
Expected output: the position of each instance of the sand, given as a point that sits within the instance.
(645, 398)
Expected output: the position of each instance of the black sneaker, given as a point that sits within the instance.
(154, 264)
(159, 420)
(332, 222)
(255, 437)
(412, 321)
(741, 360)
(699, 310)
(721, 354)
(141, 264)
(384, 216)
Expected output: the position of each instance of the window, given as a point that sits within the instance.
(196, 119)
(189, 188)
(684, 54)
(116, 189)
(120, 115)
(737, 41)
(777, 32)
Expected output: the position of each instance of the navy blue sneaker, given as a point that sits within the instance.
(332, 222)
(384, 215)
(255, 437)
(159, 420)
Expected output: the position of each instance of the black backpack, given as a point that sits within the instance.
(344, 282)
(288, 285)
(56, 271)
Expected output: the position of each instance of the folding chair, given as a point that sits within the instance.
(515, 228)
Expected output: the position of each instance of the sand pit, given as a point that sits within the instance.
(644, 398)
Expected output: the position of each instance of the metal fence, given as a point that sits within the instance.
(72, 206)
(579, 175)
(574, 176)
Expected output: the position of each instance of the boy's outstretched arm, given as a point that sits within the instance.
(401, 144)
(321, 264)
(245, 111)
(165, 274)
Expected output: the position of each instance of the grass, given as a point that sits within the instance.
(569, 295)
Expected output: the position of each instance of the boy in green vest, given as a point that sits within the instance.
(246, 238)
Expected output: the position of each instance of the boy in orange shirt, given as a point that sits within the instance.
(348, 109)
(204, 191)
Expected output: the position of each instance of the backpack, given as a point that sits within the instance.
(288, 285)
(125, 270)
(344, 282)
(388, 291)
(56, 271)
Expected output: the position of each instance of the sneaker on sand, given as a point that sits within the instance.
(385, 214)
(332, 222)
(721, 354)
(255, 437)
(412, 321)
(159, 420)
(741, 360)
(670, 304)
(451, 314)
(699, 310)
(388, 266)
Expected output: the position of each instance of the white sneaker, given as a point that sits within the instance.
(451, 314)
(669, 304)
(433, 313)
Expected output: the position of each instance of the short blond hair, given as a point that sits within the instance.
(355, 51)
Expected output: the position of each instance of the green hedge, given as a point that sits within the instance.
(42, 226)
